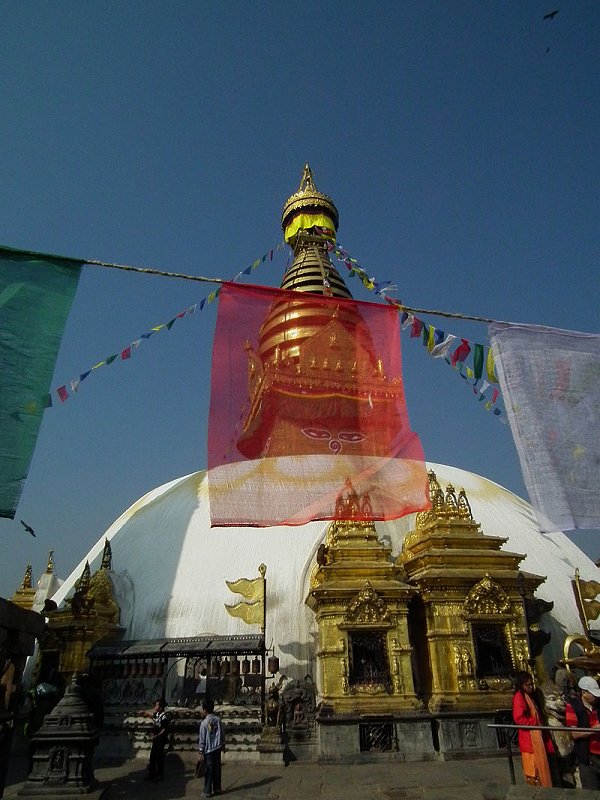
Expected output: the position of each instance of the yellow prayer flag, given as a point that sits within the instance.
(592, 609)
(431, 338)
(251, 613)
(251, 589)
(490, 367)
(589, 590)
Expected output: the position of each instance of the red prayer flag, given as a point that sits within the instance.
(461, 352)
(307, 414)
(62, 393)
(416, 328)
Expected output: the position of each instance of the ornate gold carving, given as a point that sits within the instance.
(463, 661)
(333, 650)
(26, 584)
(368, 609)
(344, 675)
(369, 688)
(447, 610)
(487, 598)
(316, 576)
(307, 197)
(499, 684)
(521, 655)
(443, 507)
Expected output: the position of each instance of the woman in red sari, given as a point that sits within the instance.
(534, 745)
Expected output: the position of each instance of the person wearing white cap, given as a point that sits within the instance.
(581, 712)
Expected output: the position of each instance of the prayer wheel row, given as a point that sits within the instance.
(105, 670)
(232, 666)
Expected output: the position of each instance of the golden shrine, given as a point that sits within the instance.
(361, 606)
(472, 633)
(89, 615)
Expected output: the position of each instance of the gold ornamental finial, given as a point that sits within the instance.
(83, 581)
(307, 181)
(27, 578)
(307, 208)
(106, 556)
(50, 564)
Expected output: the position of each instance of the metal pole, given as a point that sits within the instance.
(263, 683)
(511, 764)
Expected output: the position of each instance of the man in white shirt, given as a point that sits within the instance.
(211, 743)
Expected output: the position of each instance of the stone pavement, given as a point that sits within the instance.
(249, 780)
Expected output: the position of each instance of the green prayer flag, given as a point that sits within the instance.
(36, 292)
(478, 360)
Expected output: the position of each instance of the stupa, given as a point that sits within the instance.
(394, 637)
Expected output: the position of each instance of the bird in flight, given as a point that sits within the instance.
(552, 14)
(28, 528)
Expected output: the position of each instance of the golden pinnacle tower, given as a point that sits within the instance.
(316, 361)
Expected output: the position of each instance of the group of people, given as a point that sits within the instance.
(211, 743)
(538, 752)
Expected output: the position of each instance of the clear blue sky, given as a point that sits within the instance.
(462, 155)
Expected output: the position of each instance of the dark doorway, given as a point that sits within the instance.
(369, 663)
(491, 650)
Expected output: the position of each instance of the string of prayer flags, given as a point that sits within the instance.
(36, 293)
(126, 353)
(436, 341)
(550, 379)
(324, 427)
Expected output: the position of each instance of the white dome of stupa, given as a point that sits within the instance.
(170, 566)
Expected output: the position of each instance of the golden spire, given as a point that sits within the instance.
(50, 564)
(310, 221)
(106, 556)
(82, 583)
(27, 579)
(309, 200)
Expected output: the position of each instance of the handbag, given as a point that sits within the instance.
(200, 768)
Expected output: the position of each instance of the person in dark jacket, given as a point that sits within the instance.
(581, 712)
(160, 739)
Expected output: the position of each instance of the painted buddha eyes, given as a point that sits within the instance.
(335, 442)
(351, 436)
(316, 433)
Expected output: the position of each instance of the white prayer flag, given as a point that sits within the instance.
(550, 379)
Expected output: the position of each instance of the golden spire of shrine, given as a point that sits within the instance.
(310, 202)
(310, 222)
(27, 584)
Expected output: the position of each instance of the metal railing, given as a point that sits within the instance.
(550, 728)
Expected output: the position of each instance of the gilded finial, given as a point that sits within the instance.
(50, 564)
(464, 507)
(308, 207)
(106, 556)
(307, 182)
(84, 581)
(451, 502)
(27, 578)
(262, 569)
